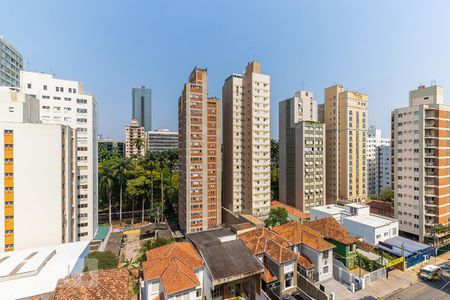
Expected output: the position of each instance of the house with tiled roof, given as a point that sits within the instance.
(173, 271)
(334, 232)
(294, 214)
(111, 284)
(280, 263)
(315, 253)
(231, 270)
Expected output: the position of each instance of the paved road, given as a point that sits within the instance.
(423, 291)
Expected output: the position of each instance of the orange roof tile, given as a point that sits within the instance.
(174, 265)
(262, 240)
(305, 262)
(298, 233)
(104, 285)
(290, 210)
(268, 276)
(330, 228)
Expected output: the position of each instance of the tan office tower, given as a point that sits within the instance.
(421, 164)
(246, 142)
(199, 198)
(302, 155)
(345, 117)
(136, 141)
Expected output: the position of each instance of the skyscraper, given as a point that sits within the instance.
(302, 155)
(11, 63)
(199, 198)
(246, 134)
(420, 164)
(39, 190)
(345, 116)
(65, 102)
(378, 161)
(142, 106)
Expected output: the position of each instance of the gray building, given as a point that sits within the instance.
(162, 140)
(302, 148)
(142, 106)
(11, 63)
(111, 144)
(378, 161)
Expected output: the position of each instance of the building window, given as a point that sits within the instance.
(29, 85)
(45, 87)
(326, 269)
(217, 292)
(288, 283)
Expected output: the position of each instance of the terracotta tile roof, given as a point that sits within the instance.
(290, 210)
(268, 276)
(364, 246)
(298, 233)
(305, 262)
(330, 228)
(105, 285)
(174, 265)
(262, 240)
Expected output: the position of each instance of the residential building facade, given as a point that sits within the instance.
(345, 116)
(142, 106)
(302, 152)
(11, 63)
(199, 197)
(162, 140)
(420, 164)
(246, 140)
(136, 140)
(40, 195)
(378, 161)
(65, 102)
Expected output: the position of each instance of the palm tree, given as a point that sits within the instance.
(106, 183)
(103, 153)
(172, 164)
(138, 190)
(138, 143)
(162, 162)
(121, 169)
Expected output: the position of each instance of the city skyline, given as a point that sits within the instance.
(381, 56)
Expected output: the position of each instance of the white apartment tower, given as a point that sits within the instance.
(65, 102)
(136, 141)
(421, 164)
(246, 142)
(378, 161)
(38, 207)
(302, 152)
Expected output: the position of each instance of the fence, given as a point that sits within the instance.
(355, 283)
(420, 257)
(310, 288)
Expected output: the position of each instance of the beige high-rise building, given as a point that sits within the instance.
(421, 164)
(246, 142)
(302, 155)
(199, 197)
(345, 116)
(136, 142)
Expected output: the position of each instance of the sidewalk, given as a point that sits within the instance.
(398, 280)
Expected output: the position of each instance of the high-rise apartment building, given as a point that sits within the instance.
(142, 106)
(38, 206)
(345, 116)
(162, 140)
(199, 198)
(302, 152)
(246, 142)
(11, 63)
(421, 164)
(136, 141)
(378, 161)
(65, 102)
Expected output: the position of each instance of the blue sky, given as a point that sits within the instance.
(382, 48)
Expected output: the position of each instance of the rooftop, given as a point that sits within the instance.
(174, 265)
(36, 271)
(371, 220)
(297, 214)
(330, 209)
(400, 246)
(330, 228)
(105, 284)
(298, 233)
(226, 257)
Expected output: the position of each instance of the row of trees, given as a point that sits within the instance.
(150, 181)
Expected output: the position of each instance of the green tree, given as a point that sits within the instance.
(121, 168)
(137, 189)
(138, 143)
(387, 194)
(97, 260)
(274, 168)
(277, 216)
(106, 183)
(148, 245)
